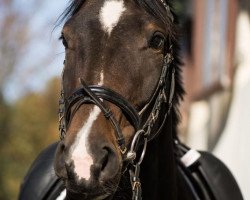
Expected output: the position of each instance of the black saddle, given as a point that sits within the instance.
(41, 183)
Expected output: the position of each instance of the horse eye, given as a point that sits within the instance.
(157, 41)
(65, 44)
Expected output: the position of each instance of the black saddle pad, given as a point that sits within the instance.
(41, 183)
(219, 177)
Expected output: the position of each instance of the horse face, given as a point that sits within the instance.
(116, 44)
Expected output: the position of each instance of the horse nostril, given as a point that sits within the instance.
(105, 158)
(59, 162)
(109, 164)
(62, 147)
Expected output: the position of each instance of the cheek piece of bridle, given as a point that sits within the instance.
(160, 103)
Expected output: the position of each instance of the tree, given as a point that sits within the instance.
(21, 33)
(30, 123)
(32, 127)
(14, 38)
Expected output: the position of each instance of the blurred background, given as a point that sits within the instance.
(215, 114)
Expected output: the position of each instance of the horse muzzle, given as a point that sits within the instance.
(98, 175)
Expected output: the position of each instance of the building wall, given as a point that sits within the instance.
(233, 147)
(217, 81)
(208, 74)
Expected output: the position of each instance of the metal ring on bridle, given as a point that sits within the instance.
(131, 155)
(135, 139)
(143, 151)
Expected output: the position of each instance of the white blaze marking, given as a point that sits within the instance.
(101, 78)
(80, 148)
(110, 14)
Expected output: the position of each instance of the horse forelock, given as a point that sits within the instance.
(155, 8)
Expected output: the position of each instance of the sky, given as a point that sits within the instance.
(31, 74)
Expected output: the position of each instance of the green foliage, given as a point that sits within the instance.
(26, 128)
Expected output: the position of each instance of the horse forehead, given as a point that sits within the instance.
(110, 14)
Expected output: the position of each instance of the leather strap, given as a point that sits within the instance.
(95, 95)
(108, 95)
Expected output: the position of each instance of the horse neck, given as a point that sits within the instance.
(158, 170)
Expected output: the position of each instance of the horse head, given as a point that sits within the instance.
(118, 55)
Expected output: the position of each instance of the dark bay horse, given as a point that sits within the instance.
(122, 46)
(119, 108)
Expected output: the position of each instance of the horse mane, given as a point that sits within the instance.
(156, 9)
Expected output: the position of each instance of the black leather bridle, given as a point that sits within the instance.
(159, 103)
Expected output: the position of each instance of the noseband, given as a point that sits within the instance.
(95, 95)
